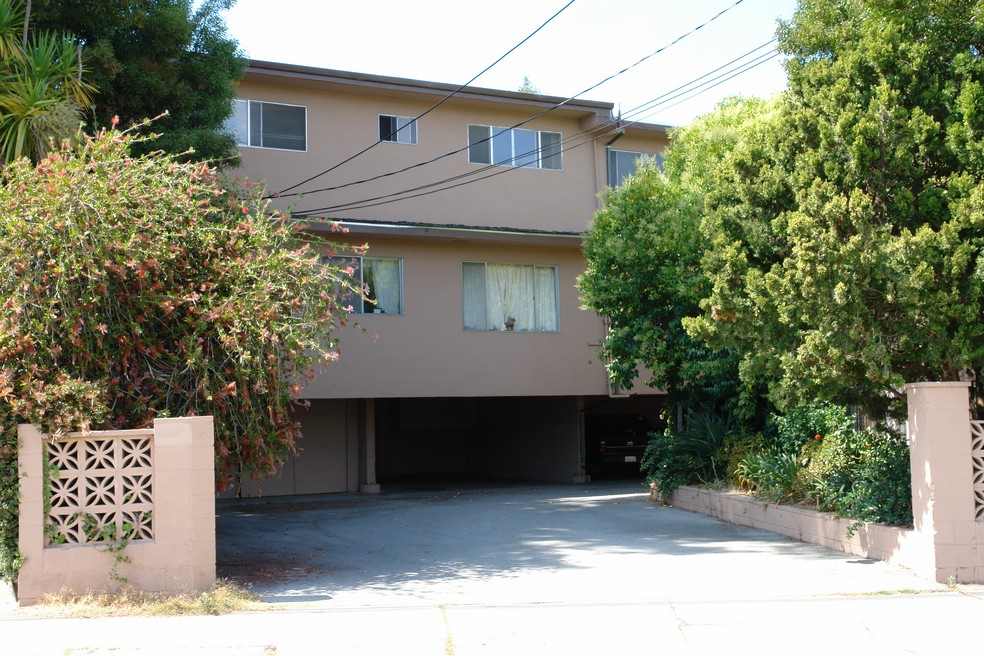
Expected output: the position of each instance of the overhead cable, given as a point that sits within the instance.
(512, 127)
(433, 107)
(597, 131)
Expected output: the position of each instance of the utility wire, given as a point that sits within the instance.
(748, 67)
(692, 85)
(596, 132)
(512, 127)
(432, 108)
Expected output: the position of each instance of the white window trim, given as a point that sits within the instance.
(495, 131)
(410, 120)
(274, 102)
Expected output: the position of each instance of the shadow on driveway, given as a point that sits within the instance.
(517, 544)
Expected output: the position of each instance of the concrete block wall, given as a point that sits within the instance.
(181, 555)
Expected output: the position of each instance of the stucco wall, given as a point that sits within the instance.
(426, 352)
(180, 557)
(343, 120)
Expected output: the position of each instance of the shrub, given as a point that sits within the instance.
(737, 446)
(864, 475)
(771, 475)
(137, 287)
(685, 456)
(802, 424)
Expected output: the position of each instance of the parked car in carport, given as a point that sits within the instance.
(615, 443)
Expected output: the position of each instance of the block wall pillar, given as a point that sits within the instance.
(943, 504)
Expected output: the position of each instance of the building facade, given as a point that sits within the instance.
(475, 356)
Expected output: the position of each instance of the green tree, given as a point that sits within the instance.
(137, 286)
(527, 86)
(42, 93)
(643, 252)
(847, 233)
(151, 56)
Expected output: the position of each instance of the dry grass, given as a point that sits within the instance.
(224, 597)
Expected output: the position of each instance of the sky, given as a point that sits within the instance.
(451, 41)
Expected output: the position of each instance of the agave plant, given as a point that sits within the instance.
(42, 93)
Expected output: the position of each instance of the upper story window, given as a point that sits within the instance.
(261, 124)
(509, 297)
(514, 147)
(400, 129)
(382, 278)
(623, 163)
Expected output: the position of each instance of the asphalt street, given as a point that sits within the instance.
(593, 569)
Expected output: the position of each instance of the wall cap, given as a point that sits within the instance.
(943, 383)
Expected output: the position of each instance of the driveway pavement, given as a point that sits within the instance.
(530, 570)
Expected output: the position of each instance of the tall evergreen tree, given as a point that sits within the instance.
(151, 56)
(848, 238)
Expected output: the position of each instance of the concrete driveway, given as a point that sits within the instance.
(591, 570)
(577, 570)
(522, 545)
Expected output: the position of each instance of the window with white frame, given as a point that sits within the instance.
(261, 124)
(623, 163)
(400, 129)
(509, 297)
(514, 147)
(380, 277)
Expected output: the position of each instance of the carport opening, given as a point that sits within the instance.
(447, 443)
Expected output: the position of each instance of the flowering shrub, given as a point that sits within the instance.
(137, 287)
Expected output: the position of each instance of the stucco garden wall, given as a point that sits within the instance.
(159, 482)
(946, 542)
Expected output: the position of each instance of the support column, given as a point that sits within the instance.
(368, 421)
(580, 477)
(943, 505)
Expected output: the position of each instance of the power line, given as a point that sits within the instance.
(436, 105)
(687, 87)
(762, 60)
(390, 198)
(596, 132)
(512, 127)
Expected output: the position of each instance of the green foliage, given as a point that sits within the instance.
(737, 446)
(42, 92)
(137, 286)
(769, 474)
(861, 474)
(684, 456)
(804, 424)
(10, 559)
(848, 228)
(151, 56)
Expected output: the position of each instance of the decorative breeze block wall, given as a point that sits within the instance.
(105, 481)
(157, 486)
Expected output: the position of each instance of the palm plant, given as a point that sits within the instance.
(42, 93)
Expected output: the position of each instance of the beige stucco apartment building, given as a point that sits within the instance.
(477, 357)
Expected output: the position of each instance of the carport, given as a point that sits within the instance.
(352, 445)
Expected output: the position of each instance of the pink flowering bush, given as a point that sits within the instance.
(138, 287)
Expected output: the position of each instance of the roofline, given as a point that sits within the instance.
(406, 85)
(438, 231)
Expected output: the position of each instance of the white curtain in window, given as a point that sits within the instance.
(473, 290)
(509, 295)
(383, 279)
(546, 298)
